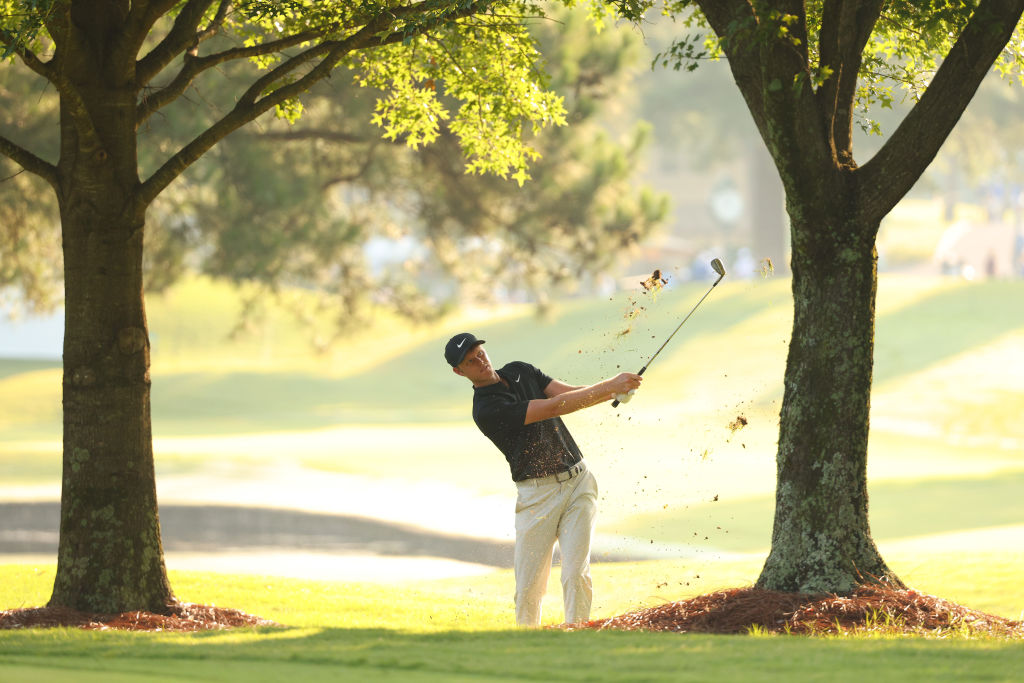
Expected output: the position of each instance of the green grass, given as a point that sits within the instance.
(946, 402)
(461, 630)
(938, 505)
(912, 230)
(234, 387)
(944, 458)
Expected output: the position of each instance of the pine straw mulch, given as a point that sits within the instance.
(869, 609)
(181, 616)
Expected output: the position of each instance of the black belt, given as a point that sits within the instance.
(558, 477)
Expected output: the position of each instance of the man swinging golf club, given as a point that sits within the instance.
(519, 408)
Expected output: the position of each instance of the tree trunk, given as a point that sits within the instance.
(110, 557)
(821, 542)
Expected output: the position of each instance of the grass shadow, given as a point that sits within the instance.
(898, 510)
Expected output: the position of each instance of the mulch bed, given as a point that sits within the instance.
(869, 608)
(738, 610)
(181, 616)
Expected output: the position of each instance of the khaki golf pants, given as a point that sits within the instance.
(548, 510)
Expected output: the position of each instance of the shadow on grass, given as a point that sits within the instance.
(33, 528)
(944, 325)
(897, 510)
(369, 654)
(579, 344)
(9, 367)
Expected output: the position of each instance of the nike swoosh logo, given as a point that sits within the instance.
(459, 345)
(517, 377)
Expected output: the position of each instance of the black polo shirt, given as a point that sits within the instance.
(532, 450)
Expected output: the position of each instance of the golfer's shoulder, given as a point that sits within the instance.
(519, 366)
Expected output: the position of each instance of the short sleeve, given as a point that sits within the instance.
(543, 380)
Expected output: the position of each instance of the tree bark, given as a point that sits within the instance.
(110, 557)
(821, 541)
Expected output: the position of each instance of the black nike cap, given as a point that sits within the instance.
(458, 346)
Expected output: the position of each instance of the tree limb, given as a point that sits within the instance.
(245, 110)
(846, 28)
(57, 22)
(251, 105)
(29, 58)
(215, 23)
(196, 65)
(722, 15)
(29, 161)
(141, 18)
(772, 71)
(350, 177)
(890, 174)
(178, 39)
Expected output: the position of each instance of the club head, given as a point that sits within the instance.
(716, 265)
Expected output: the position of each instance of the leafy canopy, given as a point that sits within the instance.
(900, 58)
(470, 63)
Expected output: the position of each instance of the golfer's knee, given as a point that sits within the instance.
(578, 582)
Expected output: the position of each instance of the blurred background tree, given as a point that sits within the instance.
(327, 205)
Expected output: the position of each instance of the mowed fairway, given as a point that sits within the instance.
(680, 481)
(461, 631)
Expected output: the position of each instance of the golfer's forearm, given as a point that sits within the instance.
(568, 402)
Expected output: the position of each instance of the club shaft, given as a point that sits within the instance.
(615, 403)
(681, 324)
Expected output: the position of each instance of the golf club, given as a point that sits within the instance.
(716, 265)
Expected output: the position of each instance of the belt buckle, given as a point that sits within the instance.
(569, 473)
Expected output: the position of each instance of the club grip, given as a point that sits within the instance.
(615, 403)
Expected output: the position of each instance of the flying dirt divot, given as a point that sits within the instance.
(655, 282)
(739, 423)
(652, 285)
(719, 268)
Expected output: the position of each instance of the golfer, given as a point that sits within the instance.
(518, 407)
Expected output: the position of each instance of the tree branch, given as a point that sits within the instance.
(141, 18)
(57, 22)
(722, 16)
(196, 65)
(178, 39)
(250, 105)
(845, 30)
(216, 23)
(887, 177)
(773, 75)
(29, 161)
(29, 58)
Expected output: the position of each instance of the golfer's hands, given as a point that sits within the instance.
(624, 385)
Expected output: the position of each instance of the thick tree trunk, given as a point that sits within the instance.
(110, 557)
(821, 540)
